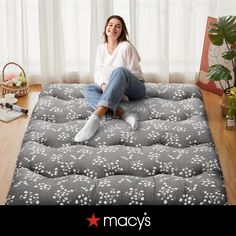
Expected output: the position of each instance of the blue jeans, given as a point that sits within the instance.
(121, 82)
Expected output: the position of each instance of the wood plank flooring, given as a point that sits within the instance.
(11, 136)
(225, 141)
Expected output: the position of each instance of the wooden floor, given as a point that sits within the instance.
(11, 135)
(225, 141)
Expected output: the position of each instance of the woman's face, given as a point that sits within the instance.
(113, 29)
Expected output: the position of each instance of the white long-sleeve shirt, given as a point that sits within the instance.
(124, 55)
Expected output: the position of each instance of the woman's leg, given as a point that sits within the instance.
(92, 94)
(122, 82)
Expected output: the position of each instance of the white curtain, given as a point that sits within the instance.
(56, 40)
(52, 44)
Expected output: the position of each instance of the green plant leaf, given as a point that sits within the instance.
(231, 108)
(218, 72)
(224, 29)
(229, 55)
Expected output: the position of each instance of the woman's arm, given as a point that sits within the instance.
(99, 64)
(132, 59)
(102, 71)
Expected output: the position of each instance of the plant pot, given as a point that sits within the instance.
(230, 122)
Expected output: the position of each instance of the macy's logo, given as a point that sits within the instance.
(122, 221)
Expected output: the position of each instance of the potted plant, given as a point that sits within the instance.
(230, 117)
(223, 31)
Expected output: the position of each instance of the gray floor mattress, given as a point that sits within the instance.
(170, 159)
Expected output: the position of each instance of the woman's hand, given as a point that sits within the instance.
(103, 87)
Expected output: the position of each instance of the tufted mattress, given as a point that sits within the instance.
(170, 159)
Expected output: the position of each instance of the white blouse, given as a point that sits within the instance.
(124, 55)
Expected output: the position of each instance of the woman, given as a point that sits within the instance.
(117, 76)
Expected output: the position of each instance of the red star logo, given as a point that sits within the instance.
(93, 220)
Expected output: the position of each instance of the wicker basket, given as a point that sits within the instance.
(19, 91)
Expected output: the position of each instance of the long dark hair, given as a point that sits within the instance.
(124, 33)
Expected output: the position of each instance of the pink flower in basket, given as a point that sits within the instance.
(10, 76)
(14, 80)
